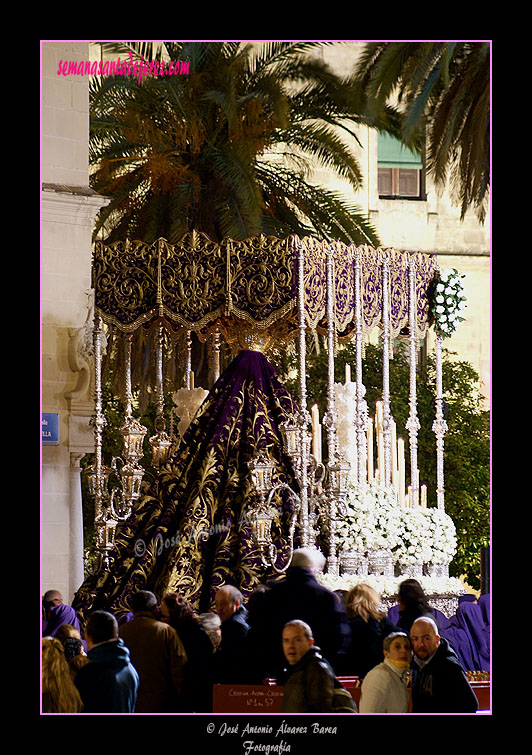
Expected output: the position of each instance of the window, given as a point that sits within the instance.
(400, 170)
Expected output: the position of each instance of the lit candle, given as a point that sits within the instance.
(393, 442)
(380, 456)
(348, 373)
(315, 431)
(369, 434)
(410, 496)
(401, 465)
(379, 416)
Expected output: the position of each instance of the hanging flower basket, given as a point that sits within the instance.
(448, 302)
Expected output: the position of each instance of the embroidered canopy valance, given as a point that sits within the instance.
(198, 284)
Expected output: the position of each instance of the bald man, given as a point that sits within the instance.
(439, 683)
(55, 613)
(232, 658)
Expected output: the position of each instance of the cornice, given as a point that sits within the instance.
(70, 204)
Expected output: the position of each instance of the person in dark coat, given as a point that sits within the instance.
(109, 682)
(257, 636)
(369, 626)
(413, 603)
(158, 655)
(199, 670)
(300, 596)
(309, 681)
(231, 660)
(438, 681)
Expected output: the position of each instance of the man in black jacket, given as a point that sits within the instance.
(300, 596)
(231, 660)
(439, 683)
(109, 682)
(310, 685)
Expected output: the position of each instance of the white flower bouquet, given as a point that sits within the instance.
(414, 542)
(448, 303)
(441, 536)
(372, 520)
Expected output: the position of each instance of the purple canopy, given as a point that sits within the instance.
(58, 616)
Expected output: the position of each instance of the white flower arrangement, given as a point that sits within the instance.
(387, 587)
(374, 520)
(415, 545)
(449, 302)
(187, 401)
(440, 535)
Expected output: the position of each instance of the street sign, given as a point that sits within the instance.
(50, 429)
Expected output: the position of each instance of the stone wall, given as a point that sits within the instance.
(68, 210)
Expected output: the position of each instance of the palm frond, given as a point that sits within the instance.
(443, 90)
(189, 151)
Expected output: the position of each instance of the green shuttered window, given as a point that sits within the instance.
(400, 170)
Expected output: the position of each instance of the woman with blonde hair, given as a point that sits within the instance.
(59, 694)
(369, 626)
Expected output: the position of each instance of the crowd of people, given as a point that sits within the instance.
(164, 657)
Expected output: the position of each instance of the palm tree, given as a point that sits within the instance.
(227, 149)
(443, 90)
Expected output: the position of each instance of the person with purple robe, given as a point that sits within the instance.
(412, 603)
(484, 603)
(59, 615)
(470, 616)
(460, 640)
(467, 637)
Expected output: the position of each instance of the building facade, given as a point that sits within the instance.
(416, 217)
(68, 210)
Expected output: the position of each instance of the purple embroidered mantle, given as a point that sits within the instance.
(189, 534)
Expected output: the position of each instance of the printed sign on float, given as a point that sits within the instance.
(50, 429)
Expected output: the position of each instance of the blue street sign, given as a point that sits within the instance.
(50, 429)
